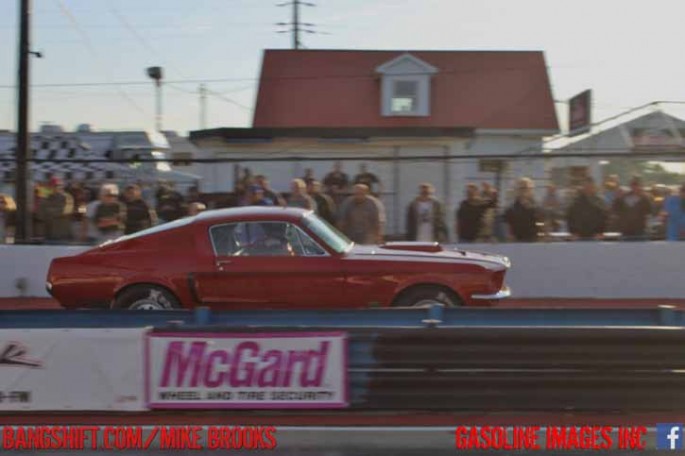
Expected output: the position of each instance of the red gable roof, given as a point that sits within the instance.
(330, 88)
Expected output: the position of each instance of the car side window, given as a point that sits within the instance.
(252, 239)
(224, 239)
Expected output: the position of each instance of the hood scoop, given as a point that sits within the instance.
(432, 247)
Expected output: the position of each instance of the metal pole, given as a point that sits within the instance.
(296, 24)
(203, 106)
(23, 152)
(159, 105)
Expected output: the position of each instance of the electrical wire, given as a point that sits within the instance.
(91, 49)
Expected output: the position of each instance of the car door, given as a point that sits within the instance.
(234, 279)
(310, 278)
(269, 264)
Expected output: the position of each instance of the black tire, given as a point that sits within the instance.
(146, 297)
(422, 296)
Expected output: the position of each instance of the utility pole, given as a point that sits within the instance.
(23, 151)
(296, 25)
(156, 74)
(203, 106)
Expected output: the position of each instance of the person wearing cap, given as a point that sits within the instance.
(263, 182)
(369, 179)
(256, 197)
(55, 213)
(674, 215)
(632, 210)
(110, 214)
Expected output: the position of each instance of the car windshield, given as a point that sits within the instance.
(327, 233)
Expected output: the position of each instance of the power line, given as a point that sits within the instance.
(91, 49)
(277, 78)
(133, 83)
(229, 100)
(206, 91)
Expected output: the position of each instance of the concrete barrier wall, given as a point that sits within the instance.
(557, 270)
(28, 263)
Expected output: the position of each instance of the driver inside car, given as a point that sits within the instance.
(269, 239)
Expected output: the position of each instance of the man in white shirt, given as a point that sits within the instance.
(426, 217)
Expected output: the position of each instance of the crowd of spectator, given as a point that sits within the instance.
(352, 205)
(586, 213)
(74, 213)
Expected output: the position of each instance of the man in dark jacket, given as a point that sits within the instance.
(588, 214)
(56, 212)
(426, 217)
(325, 206)
(524, 214)
(471, 224)
(139, 215)
(632, 210)
(170, 204)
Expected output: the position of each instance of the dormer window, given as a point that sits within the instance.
(405, 97)
(405, 86)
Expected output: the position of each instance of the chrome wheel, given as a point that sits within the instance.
(154, 301)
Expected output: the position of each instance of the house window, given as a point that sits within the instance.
(405, 97)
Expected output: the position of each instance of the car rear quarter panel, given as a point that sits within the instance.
(382, 280)
(98, 275)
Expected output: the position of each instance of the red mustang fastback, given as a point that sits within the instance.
(261, 257)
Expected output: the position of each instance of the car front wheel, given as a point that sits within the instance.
(146, 297)
(426, 296)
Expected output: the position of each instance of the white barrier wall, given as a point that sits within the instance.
(555, 270)
(28, 264)
(620, 270)
(72, 369)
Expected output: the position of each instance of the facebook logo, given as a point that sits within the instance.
(669, 436)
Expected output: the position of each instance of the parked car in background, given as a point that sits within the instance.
(270, 257)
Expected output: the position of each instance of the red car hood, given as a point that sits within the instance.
(422, 251)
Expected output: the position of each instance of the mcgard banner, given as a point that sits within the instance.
(259, 370)
(71, 369)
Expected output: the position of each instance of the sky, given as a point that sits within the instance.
(95, 52)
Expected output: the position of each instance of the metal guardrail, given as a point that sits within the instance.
(617, 360)
(433, 316)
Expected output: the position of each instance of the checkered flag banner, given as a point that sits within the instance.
(89, 157)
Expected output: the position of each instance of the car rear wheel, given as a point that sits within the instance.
(425, 296)
(146, 297)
